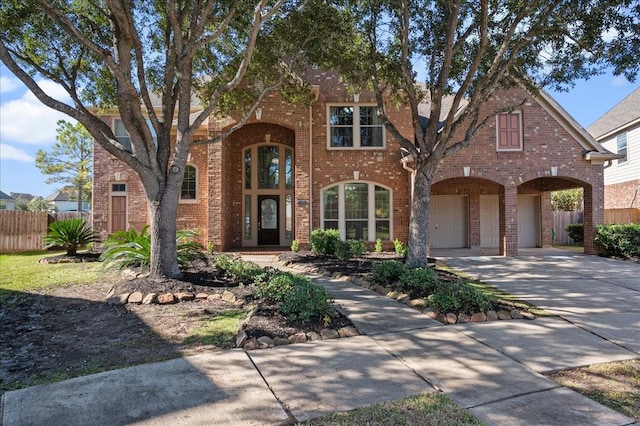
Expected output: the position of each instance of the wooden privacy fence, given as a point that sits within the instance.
(560, 221)
(621, 216)
(25, 230)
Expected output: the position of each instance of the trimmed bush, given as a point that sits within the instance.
(69, 234)
(424, 280)
(343, 250)
(387, 272)
(619, 240)
(295, 246)
(358, 247)
(575, 232)
(299, 299)
(459, 296)
(324, 241)
(400, 247)
(378, 247)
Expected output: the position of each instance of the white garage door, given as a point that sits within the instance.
(489, 221)
(528, 221)
(448, 221)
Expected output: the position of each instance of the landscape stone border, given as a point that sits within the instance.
(420, 305)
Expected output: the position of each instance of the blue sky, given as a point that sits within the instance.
(27, 126)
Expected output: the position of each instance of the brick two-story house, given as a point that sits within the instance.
(292, 169)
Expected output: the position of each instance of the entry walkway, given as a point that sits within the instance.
(493, 369)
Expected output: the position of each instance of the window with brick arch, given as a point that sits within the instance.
(189, 184)
(359, 210)
(509, 131)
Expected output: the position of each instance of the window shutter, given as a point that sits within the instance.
(509, 131)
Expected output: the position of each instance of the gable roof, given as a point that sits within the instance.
(22, 196)
(60, 195)
(4, 196)
(622, 115)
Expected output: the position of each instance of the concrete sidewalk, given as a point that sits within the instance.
(493, 369)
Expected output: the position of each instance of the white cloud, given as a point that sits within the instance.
(26, 120)
(8, 152)
(8, 84)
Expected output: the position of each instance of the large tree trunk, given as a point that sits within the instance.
(163, 216)
(419, 221)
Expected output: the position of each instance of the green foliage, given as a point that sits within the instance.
(295, 246)
(69, 234)
(211, 247)
(378, 247)
(241, 271)
(21, 205)
(459, 296)
(567, 200)
(387, 272)
(576, 232)
(298, 298)
(343, 250)
(324, 241)
(619, 240)
(358, 247)
(39, 204)
(424, 280)
(130, 248)
(400, 247)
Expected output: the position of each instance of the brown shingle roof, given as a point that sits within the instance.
(622, 114)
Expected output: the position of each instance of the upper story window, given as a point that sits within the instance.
(509, 131)
(122, 136)
(189, 184)
(622, 147)
(355, 126)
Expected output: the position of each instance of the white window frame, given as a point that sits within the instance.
(520, 133)
(371, 208)
(356, 127)
(197, 197)
(626, 148)
(119, 120)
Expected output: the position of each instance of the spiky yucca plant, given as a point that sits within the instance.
(69, 234)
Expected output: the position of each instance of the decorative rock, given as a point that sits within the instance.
(135, 297)
(504, 314)
(336, 275)
(357, 281)
(451, 318)
(479, 317)
(322, 271)
(150, 298)
(313, 336)
(166, 299)
(213, 297)
(251, 344)
(515, 314)
(280, 341)
(403, 298)
(441, 318)
(417, 303)
(202, 296)
(238, 303)
(433, 314)
(328, 334)
(241, 338)
(185, 296)
(298, 338)
(393, 294)
(120, 299)
(463, 318)
(348, 332)
(381, 290)
(265, 342)
(528, 315)
(492, 316)
(227, 296)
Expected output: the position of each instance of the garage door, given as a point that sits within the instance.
(448, 221)
(528, 221)
(489, 221)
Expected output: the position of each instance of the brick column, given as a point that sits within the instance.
(593, 215)
(214, 171)
(547, 219)
(509, 221)
(474, 220)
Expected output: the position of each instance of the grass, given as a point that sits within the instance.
(424, 409)
(219, 330)
(613, 384)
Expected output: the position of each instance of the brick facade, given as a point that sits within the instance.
(624, 195)
(552, 158)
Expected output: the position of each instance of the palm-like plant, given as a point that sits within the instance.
(130, 248)
(69, 234)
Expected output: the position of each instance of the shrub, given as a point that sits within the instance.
(69, 234)
(424, 280)
(130, 248)
(619, 240)
(298, 297)
(459, 296)
(378, 247)
(239, 270)
(358, 247)
(400, 248)
(387, 272)
(276, 289)
(576, 232)
(295, 246)
(343, 250)
(323, 241)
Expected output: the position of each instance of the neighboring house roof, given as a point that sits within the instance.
(60, 195)
(4, 196)
(624, 114)
(22, 196)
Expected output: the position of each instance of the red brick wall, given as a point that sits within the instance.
(622, 195)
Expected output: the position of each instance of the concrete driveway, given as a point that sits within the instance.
(601, 296)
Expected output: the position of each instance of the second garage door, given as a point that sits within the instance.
(448, 221)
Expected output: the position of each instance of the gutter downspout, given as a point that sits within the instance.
(310, 171)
